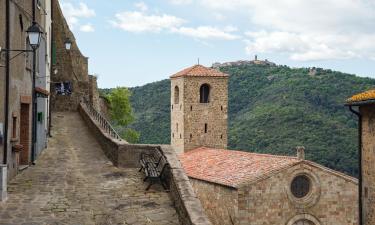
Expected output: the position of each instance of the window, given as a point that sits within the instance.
(191, 108)
(205, 128)
(301, 186)
(177, 127)
(176, 95)
(205, 93)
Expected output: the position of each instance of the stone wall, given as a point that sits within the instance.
(127, 155)
(219, 202)
(195, 115)
(69, 66)
(94, 92)
(368, 167)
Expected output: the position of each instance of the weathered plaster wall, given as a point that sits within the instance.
(368, 159)
(20, 76)
(193, 115)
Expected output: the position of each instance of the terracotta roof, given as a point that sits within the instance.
(364, 96)
(199, 71)
(41, 91)
(232, 168)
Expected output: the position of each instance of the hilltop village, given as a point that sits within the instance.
(63, 163)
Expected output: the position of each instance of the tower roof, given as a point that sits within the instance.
(199, 71)
(362, 98)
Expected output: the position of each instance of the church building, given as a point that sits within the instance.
(238, 187)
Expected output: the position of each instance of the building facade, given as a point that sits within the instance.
(244, 188)
(199, 109)
(25, 113)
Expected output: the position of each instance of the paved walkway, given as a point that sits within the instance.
(74, 183)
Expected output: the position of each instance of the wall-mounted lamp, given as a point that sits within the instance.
(68, 44)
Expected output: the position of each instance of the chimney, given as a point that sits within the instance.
(300, 152)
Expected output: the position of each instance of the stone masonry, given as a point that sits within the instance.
(333, 199)
(368, 159)
(189, 116)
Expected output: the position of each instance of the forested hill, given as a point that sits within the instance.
(272, 109)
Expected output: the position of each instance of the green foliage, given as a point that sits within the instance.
(121, 111)
(272, 109)
(130, 135)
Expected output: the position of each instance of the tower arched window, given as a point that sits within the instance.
(205, 93)
(176, 95)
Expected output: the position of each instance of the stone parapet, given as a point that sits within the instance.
(123, 154)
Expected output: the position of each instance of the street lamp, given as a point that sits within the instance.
(68, 44)
(34, 33)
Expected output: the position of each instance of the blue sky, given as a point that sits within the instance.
(131, 43)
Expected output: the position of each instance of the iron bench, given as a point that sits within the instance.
(153, 158)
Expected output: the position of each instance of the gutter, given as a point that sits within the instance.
(51, 72)
(7, 80)
(360, 178)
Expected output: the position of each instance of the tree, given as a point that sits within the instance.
(122, 113)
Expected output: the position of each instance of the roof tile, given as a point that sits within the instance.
(199, 71)
(232, 168)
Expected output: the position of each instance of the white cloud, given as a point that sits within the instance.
(180, 2)
(141, 6)
(207, 32)
(138, 22)
(87, 28)
(73, 13)
(307, 30)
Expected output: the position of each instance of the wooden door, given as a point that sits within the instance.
(25, 134)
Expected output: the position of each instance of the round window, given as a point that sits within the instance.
(300, 186)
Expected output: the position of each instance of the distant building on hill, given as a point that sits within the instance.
(256, 61)
(249, 188)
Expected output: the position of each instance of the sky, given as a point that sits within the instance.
(131, 43)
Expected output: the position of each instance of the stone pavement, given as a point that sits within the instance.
(74, 183)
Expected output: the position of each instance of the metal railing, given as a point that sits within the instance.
(105, 125)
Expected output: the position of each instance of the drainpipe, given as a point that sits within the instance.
(34, 106)
(360, 207)
(7, 80)
(51, 73)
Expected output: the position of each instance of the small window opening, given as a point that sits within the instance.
(176, 95)
(191, 108)
(191, 136)
(180, 136)
(205, 128)
(21, 22)
(177, 127)
(222, 108)
(173, 135)
(205, 93)
(221, 137)
(172, 107)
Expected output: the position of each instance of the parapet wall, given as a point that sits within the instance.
(123, 154)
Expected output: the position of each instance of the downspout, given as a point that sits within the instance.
(34, 111)
(51, 73)
(360, 206)
(7, 80)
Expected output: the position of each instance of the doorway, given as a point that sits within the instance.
(25, 134)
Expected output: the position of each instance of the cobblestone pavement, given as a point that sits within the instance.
(74, 183)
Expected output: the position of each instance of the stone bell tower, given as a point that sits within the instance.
(199, 109)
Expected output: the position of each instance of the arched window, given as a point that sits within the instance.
(176, 95)
(205, 93)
